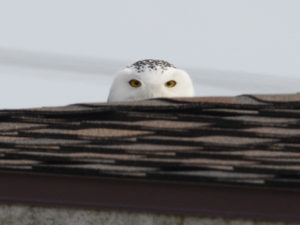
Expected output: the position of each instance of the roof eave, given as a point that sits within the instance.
(150, 196)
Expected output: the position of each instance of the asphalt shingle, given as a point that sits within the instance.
(244, 140)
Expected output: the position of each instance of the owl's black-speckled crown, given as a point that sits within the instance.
(151, 64)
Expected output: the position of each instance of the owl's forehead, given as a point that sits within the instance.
(152, 66)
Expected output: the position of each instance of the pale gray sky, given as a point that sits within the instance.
(261, 36)
(66, 51)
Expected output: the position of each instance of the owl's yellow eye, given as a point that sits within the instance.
(135, 83)
(170, 83)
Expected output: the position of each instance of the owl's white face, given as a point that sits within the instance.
(150, 79)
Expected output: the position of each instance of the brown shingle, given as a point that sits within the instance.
(274, 132)
(248, 140)
(226, 141)
(36, 141)
(153, 147)
(231, 111)
(62, 109)
(257, 154)
(153, 124)
(222, 174)
(265, 121)
(109, 168)
(195, 161)
(17, 162)
(278, 98)
(91, 133)
(7, 127)
(242, 100)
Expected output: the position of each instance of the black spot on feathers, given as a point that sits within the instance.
(151, 64)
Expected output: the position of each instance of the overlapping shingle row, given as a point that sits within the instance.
(249, 140)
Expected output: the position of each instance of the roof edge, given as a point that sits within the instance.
(145, 196)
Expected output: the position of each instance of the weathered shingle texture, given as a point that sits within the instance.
(244, 140)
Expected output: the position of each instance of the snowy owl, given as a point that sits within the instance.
(150, 79)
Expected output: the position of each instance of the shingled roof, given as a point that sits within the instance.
(248, 140)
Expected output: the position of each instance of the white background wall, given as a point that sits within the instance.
(61, 51)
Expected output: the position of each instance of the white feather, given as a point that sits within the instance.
(153, 84)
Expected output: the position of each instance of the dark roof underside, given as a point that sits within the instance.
(251, 140)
